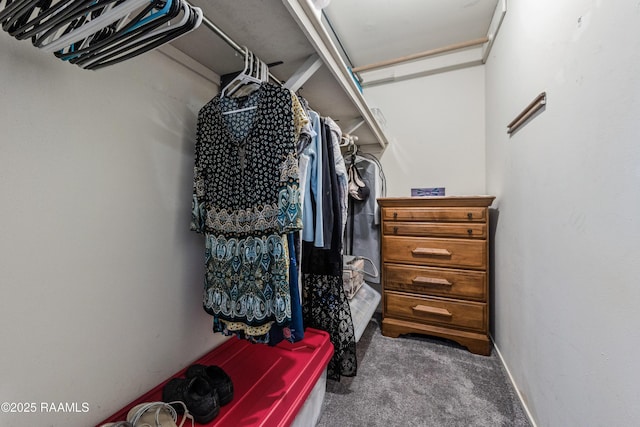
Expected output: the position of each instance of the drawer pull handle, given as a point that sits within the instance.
(432, 310)
(395, 230)
(431, 281)
(395, 215)
(431, 251)
(470, 215)
(470, 231)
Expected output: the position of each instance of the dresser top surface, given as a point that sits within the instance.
(437, 201)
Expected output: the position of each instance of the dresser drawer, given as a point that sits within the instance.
(435, 229)
(434, 214)
(435, 252)
(467, 315)
(435, 281)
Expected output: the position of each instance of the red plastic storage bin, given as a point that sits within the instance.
(270, 383)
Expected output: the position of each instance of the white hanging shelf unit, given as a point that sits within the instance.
(290, 31)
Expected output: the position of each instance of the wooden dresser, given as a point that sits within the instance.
(435, 258)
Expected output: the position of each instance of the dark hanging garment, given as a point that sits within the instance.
(335, 237)
(324, 303)
(329, 187)
(362, 237)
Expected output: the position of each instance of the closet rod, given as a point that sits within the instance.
(420, 55)
(228, 40)
(527, 113)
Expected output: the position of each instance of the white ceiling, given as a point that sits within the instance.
(376, 30)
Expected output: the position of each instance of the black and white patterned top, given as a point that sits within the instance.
(246, 170)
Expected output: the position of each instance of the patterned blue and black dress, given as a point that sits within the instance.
(245, 199)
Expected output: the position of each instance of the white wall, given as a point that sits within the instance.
(567, 185)
(101, 278)
(437, 126)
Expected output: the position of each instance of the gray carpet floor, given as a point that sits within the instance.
(421, 381)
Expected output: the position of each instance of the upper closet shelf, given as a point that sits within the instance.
(308, 18)
(292, 32)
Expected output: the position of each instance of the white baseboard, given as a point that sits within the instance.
(515, 386)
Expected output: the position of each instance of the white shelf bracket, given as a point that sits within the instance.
(304, 73)
(305, 14)
(351, 127)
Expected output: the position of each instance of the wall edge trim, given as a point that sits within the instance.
(513, 382)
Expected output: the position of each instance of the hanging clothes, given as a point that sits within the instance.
(295, 331)
(335, 134)
(312, 173)
(363, 226)
(245, 200)
(324, 303)
(264, 172)
(329, 191)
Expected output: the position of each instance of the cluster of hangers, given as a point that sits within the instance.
(97, 33)
(254, 73)
(349, 141)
